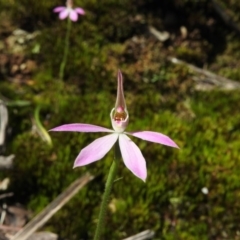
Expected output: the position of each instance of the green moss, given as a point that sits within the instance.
(160, 97)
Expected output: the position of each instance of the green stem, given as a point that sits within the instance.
(66, 50)
(108, 187)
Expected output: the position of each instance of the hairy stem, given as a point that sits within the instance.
(108, 187)
(66, 50)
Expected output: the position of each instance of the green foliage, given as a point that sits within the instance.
(160, 97)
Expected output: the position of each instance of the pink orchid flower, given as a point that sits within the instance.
(69, 11)
(131, 154)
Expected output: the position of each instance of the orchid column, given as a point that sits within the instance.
(72, 14)
(125, 148)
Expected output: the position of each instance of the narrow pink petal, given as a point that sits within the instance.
(59, 9)
(154, 137)
(132, 157)
(73, 15)
(80, 127)
(95, 150)
(63, 14)
(79, 11)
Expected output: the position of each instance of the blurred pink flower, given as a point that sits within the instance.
(69, 11)
(131, 154)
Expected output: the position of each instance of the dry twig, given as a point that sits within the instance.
(52, 208)
(147, 234)
(208, 80)
(227, 19)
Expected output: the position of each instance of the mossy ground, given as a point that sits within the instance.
(160, 96)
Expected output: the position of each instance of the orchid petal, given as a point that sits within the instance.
(79, 11)
(132, 157)
(95, 150)
(59, 9)
(154, 137)
(80, 127)
(63, 14)
(73, 15)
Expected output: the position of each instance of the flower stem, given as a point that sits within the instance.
(108, 187)
(66, 50)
